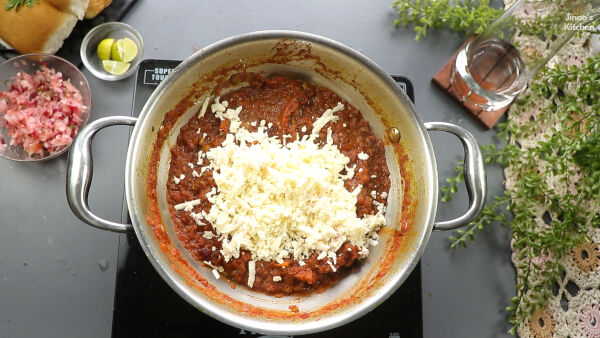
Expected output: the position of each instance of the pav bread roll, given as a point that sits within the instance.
(95, 7)
(75, 7)
(39, 29)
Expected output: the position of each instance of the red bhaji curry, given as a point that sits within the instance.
(286, 105)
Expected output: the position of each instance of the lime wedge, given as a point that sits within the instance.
(104, 48)
(124, 50)
(115, 67)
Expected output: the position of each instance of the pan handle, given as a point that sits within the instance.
(475, 175)
(80, 170)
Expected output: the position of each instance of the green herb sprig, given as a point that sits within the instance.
(468, 17)
(588, 156)
(451, 188)
(16, 4)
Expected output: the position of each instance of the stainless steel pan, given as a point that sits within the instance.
(411, 206)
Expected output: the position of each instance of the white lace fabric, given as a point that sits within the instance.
(574, 308)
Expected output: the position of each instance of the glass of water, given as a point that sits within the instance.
(496, 65)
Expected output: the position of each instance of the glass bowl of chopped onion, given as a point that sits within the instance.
(44, 102)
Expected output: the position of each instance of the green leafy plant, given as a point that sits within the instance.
(465, 17)
(472, 17)
(588, 156)
(16, 4)
(451, 188)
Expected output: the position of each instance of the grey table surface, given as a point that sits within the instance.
(57, 275)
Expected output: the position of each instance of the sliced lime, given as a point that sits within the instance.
(124, 50)
(104, 48)
(115, 67)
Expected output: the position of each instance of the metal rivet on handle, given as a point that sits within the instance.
(394, 135)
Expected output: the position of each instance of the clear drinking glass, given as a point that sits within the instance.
(494, 67)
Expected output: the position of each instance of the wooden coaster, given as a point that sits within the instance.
(442, 80)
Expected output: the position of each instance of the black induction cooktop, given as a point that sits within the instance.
(145, 306)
